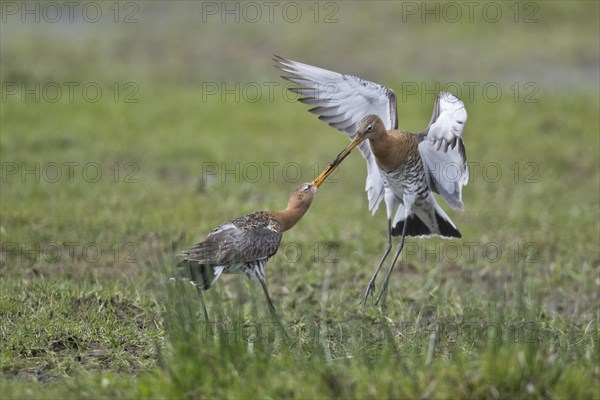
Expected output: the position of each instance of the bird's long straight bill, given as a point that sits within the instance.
(338, 160)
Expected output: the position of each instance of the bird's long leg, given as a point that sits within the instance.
(271, 307)
(269, 302)
(371, 286)
(196, 282)
(203, 303)
(384, 287)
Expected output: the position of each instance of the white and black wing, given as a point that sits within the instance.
(443, 151)
(342, 101)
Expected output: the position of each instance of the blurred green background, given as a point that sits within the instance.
(179, 108)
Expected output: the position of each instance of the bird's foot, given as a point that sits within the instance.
(382, 295)
(369, 292)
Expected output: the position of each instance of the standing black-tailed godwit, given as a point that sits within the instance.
(404, 169)
(245, 244)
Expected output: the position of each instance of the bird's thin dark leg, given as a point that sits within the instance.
(384, 287)
(271, 307)
(196, 282)
(203, 303)
(269, 302)
(371, 286)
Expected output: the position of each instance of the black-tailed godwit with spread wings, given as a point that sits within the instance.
(404, 169)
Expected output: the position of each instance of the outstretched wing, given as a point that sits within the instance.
(342, 101)
(443, 151)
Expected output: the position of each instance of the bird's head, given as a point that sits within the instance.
(368, 127)
(298, 204)
(302, 196)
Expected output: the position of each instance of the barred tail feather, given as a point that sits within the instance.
(443, 225)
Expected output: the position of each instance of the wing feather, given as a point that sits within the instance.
(443, 151)
(235, 242)
(342, 101)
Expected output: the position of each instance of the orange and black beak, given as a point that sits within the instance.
(338, 160)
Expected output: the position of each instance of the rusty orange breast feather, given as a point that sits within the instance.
(394, 149)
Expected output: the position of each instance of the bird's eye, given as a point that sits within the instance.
(369, 128)
(306, 188)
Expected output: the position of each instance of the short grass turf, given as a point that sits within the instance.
(97, 198)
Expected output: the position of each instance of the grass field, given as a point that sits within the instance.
(100, 192)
